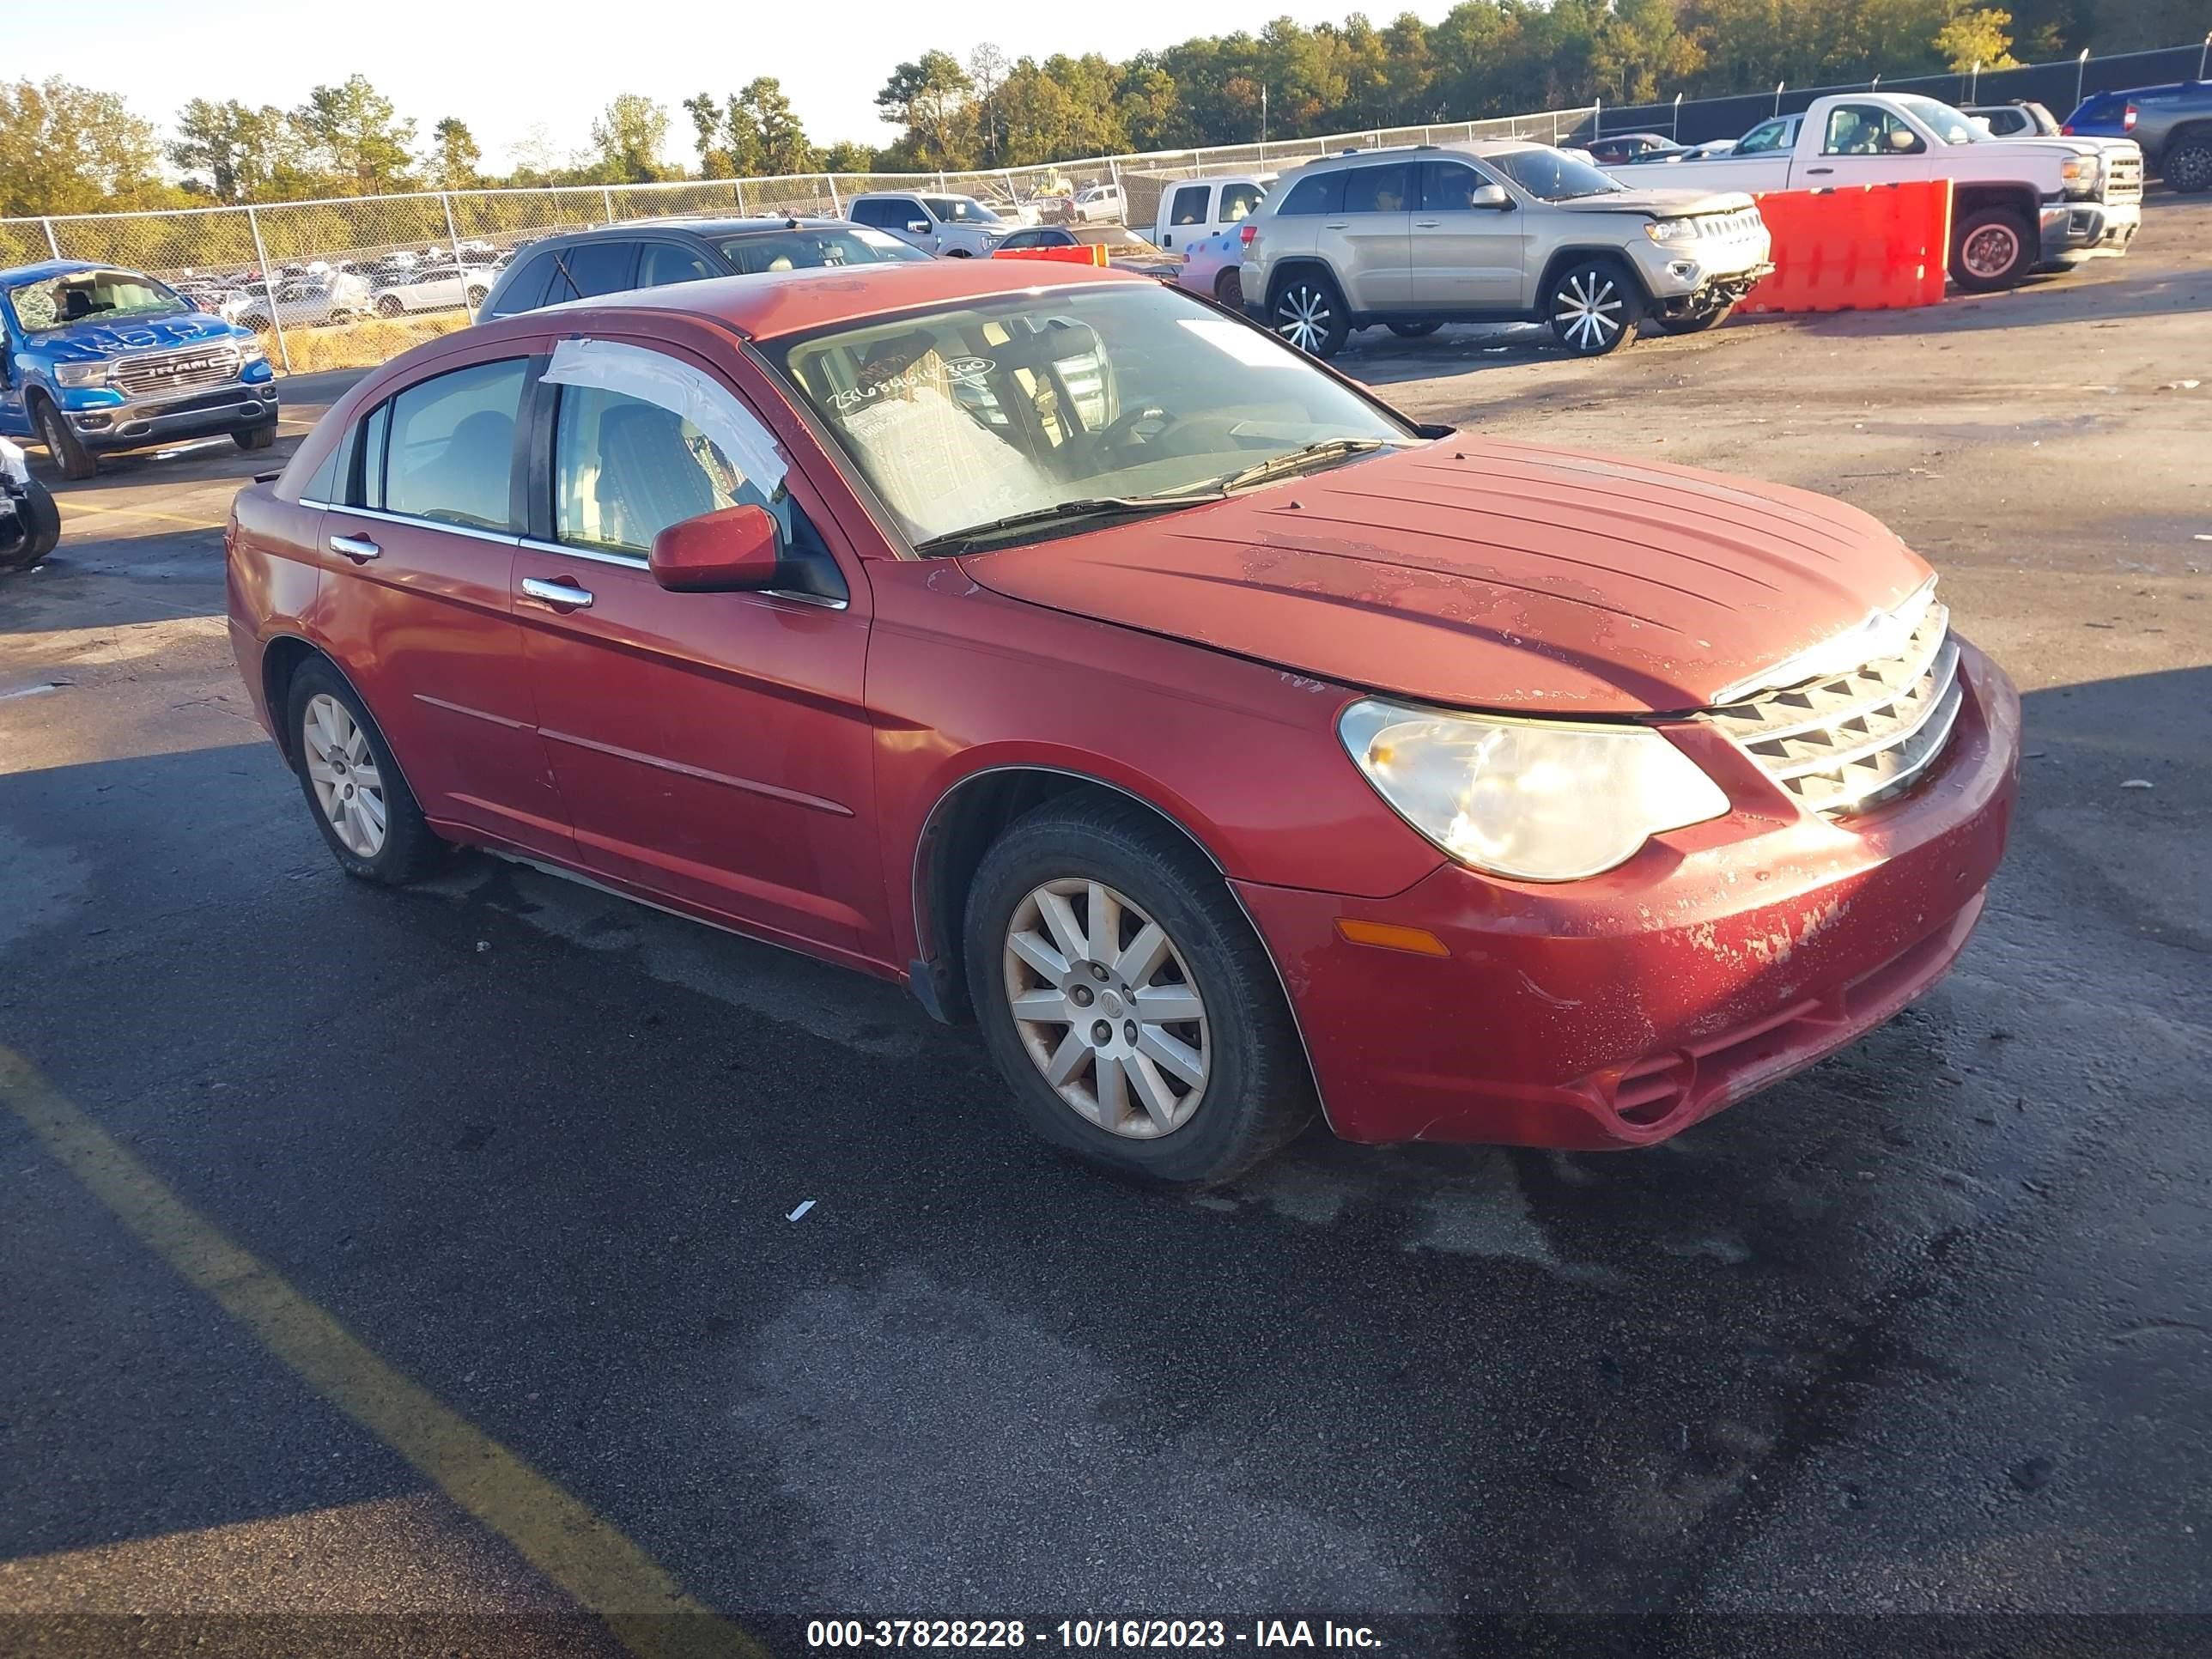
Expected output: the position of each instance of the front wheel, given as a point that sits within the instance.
(361, 804)
(42, 527)
(1127, 1001)
(75, 461)
(1593, 307)
(1228, 288)
(389, 306)
(255, 437)
(2188, 166)
(1697, 324)
(1308, 313)
(1991, 249)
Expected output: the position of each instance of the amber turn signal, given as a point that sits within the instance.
(1389, 936)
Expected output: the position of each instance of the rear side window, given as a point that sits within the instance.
(602, 267)
(449, 451)
(1237, 201)
(526, 289)
(660, 263)
(1377, 190)
(1317, 192)
(1190, 205)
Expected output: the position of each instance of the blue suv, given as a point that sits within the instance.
(94, 358)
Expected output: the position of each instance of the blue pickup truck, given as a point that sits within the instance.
(94, 358)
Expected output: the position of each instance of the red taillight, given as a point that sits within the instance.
(2067, 128)
(2128, 120)
(1244, 236)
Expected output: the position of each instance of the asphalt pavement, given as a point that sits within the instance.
(426, 1271)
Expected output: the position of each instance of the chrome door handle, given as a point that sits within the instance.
(1337, 224)
(566, 595)
(1426, 224)
(359, 549)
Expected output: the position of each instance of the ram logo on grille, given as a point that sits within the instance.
(1843, 743)
(166, 371)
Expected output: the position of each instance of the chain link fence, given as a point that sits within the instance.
(349, 282)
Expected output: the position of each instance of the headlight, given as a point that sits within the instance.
(81, 374)
(1671, 232)
(251, 351)
(2080, 171)
(1537, 800)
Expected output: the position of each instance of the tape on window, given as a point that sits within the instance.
(634, 372)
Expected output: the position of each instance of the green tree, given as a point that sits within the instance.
(240, 151)
(353, 132)
(929, 98)
(629, 136)
(1983, 36)
(783, 146)
(66, 149)
(455, 157)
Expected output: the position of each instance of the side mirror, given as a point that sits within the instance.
(919, 226)
(1489, 196)
(732, 551)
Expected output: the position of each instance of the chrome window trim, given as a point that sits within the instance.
(503, 537)
(631, 561)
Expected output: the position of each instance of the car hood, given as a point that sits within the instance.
(1659, 203)
(92, 340)
(1486, 574)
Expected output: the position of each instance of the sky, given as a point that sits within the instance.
(568, 60)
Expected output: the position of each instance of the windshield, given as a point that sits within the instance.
(1550, 176)
(967, 414)
(85, 295)
(811, 248)
(1948, 124)
(959, 211)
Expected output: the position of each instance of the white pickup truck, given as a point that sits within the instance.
(2017, 205)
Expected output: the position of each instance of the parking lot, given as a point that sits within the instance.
(418, 1272)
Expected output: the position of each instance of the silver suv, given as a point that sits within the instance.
(1493, 231)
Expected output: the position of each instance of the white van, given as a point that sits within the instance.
(1192, 210)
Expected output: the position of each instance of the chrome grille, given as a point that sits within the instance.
(1845, 743)
(2124, 177)
(159, 371)
(1741, 225)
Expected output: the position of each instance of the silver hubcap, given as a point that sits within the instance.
(343, 773)
(1303, 317)
(1991, 250)
(1106, 1008)
(1588, 311)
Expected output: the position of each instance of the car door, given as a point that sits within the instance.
(1190, 213)
(418, 546)
(906, 218)
(1465, 257)
(1370, 241)
(1866, 144)
(713, 749)
(14, 413)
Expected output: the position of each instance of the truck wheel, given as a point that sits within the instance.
(2187, 165)
(1307, 312)
(255, 437)
(1228, 288)
(76, 462)
(1992, 248)
(42, 527)
(1593, 307)
(1414, 331)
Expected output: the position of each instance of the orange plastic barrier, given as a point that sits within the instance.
(1084, 254)
(1860, 247)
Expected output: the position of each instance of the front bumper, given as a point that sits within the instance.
(2074, 231)
(1619, 1011)
(205, 413)
(1678, 277)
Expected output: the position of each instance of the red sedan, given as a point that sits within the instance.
(1227, 745)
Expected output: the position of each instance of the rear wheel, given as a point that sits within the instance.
(1992, 248)
(2187, 165)
(1126, 1000)
(1414, 331)
(389, 306)
(1697, 324)
(1228, 288)
(1309, 313)
(360, 803)
(1593, 305)
(75, 461)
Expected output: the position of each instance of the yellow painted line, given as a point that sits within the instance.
(73, 509)
(554, 1531)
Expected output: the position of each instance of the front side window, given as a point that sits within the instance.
(449, 447)
(1449, 186)
(1377, 190)
(1190, 205)
(968, 414)
(1869, 130)
(960, 210)
(661, 263)
(624, 470)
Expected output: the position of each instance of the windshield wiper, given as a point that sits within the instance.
(1089, 507)
(1299, 460)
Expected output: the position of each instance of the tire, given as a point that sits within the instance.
(389, 306)
(1697, 324)
(2188, 166)
(1307, 311)
(1228, 288)
(1992, 248)
(75, 461)
(1593, 307)
(1414, 331)
(42, 527)
(255, 437)
(1251, 1092)
(476, 297)
(406, 850)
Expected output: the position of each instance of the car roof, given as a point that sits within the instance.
(46, 268)
(695, 227)
(776, 303)
(1478, 147)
